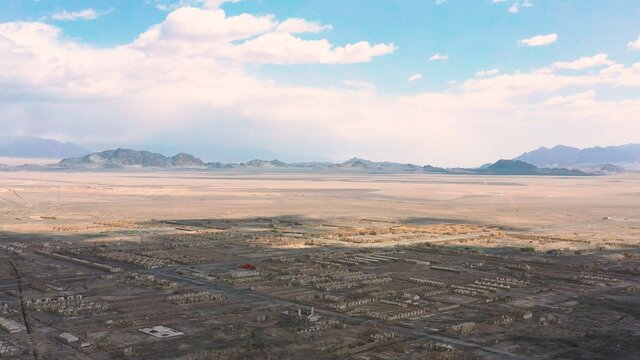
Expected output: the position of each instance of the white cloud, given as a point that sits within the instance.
(440, 2)
(498, 1)
(203, 27)
(297, 26)
(438, 56)
(86, 14)
(582, 63)
(489, 72)
(634, 45)
(249, 38)
(161, 89)
(284, 48)
(414, 77)
(515, 7)
(539, 40)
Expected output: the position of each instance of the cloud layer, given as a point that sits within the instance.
(185, 82)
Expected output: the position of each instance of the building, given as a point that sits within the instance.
(463, 328)
(68, 338)
(10, 326)
(161, 332)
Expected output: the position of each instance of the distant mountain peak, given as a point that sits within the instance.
(562, 147)
(265, 163)
(356, 162)
(511, 164)
(184, 159)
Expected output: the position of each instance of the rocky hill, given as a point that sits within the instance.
(518, 167)
(110, 159)
(600, 169)
(188, 160)
(511, 165)
(368, 165)
(264, 163)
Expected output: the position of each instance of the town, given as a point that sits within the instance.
(284, 288)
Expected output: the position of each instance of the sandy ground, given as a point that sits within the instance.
(21, 161)
(42, 202)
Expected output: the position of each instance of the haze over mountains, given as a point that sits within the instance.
(35, 147)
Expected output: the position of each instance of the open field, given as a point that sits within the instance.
(211, 265)
(541, 203)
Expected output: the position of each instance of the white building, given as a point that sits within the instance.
(68, 338)
(11, 326)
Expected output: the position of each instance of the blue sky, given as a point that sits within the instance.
(469, 37)
(475, 34)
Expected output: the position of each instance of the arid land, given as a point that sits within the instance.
(326, 266)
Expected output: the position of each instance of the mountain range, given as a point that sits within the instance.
(625, 156)
(559, 160)
(131, 159)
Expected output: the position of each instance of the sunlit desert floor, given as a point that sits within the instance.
(593, 206)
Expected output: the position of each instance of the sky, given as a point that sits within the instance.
(442, 82)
